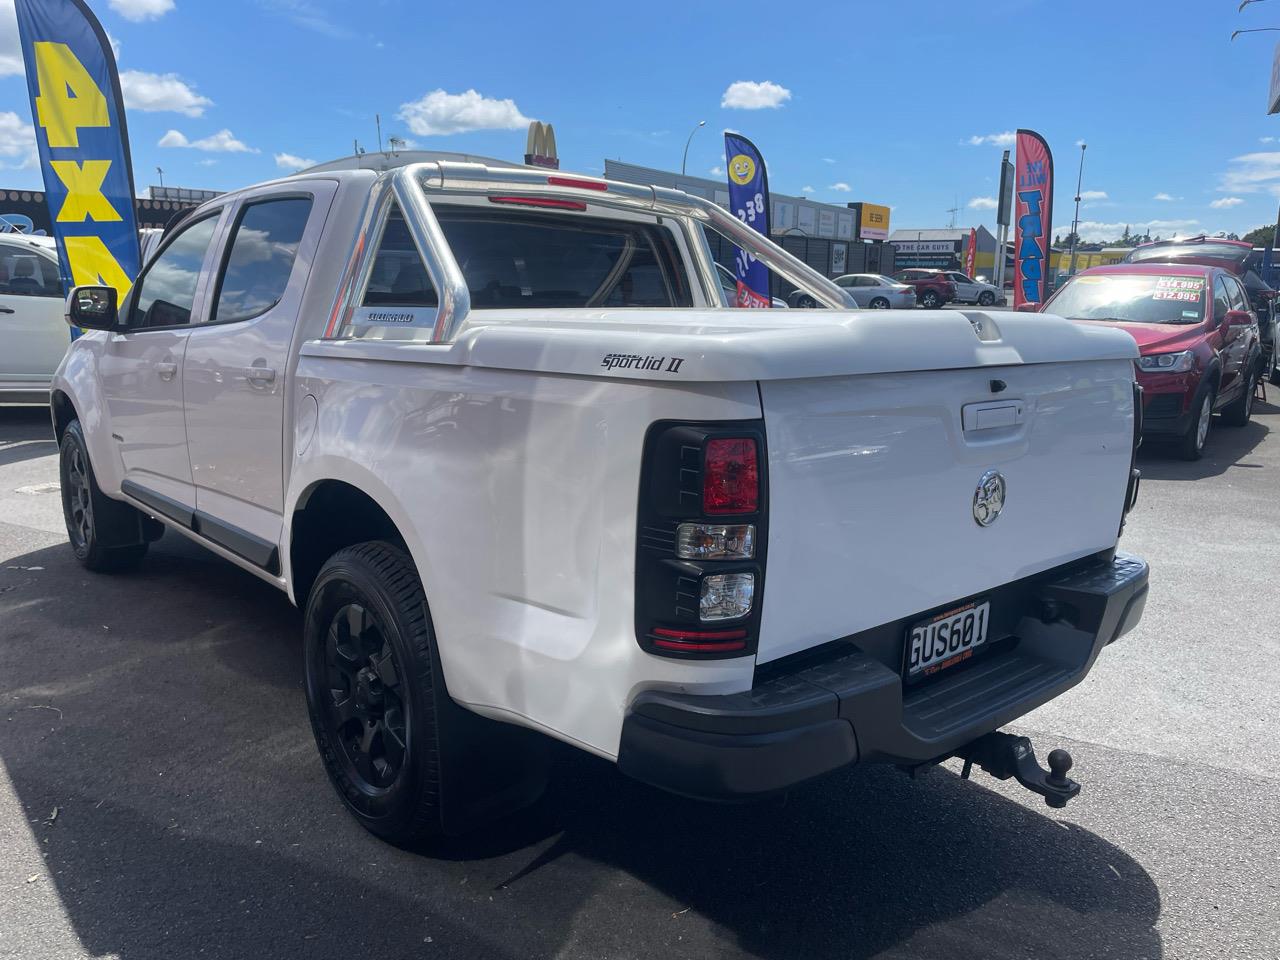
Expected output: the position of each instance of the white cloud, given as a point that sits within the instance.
(1079, 143)
(1222, 203)
(223, 141)
(10, 48)
(139, 10)
(1165, 197)
(1266, 139)
(716, 171)
(807, 189)
(310, 16)
(441, 113)
(289, 161)
(17, 140)
(1094, 231)
(828, 160)
(840, 187)
(1093, 195)
(206, 162)
(1005, 139)
(753, 95)
(983, 203)
(156, 92)
(1252, 173)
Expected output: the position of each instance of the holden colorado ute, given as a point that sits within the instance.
(492, 429)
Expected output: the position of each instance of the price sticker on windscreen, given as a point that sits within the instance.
(1186, 289)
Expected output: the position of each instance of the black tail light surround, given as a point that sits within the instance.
(668, 589)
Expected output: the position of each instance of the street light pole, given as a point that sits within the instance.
(685, 159)
(1075, 224)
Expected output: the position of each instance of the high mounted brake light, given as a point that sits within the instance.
(541, 202)
(699, 578)
(573, 182)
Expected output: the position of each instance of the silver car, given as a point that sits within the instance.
(877, 291)
(969, 290)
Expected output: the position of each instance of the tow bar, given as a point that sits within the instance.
(1004, 755)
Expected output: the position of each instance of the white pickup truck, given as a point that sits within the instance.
(493, 430)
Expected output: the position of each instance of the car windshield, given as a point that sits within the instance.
(1173, 251)
(1132, 298)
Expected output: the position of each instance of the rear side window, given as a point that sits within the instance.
(512, 259)
(260, 257)
(26, 273)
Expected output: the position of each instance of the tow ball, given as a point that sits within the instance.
(1004, 755)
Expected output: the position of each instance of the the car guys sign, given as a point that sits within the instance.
(1033, 213)
(749, 202)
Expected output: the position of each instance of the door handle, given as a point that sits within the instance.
(7, 310)
(260, 374)
(166, 370)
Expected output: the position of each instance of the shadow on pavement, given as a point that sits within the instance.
(1227, 447)
(194, 819)
(25, 432)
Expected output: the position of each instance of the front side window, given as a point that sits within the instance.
(165, 295)
(513, 259)
(25, 273)
(1221, 300)
(1235, 292)
(260, 257)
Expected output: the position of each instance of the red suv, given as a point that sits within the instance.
(933, 289)
(1198, 339)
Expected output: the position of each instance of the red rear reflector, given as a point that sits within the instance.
(571, 182)
(730, 476)
(699, 641)
(541, 202)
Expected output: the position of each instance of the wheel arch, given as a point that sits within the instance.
(331, 514)
(63, 410)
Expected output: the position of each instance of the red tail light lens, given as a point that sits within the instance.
(580, 184)
(541, 202)
(700, 641)
(730, 476)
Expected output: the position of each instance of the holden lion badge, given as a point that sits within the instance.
(988, 499)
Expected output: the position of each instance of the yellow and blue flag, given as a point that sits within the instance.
(749, 202)
(78, 113)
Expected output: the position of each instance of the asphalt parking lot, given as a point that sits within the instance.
(160, 795)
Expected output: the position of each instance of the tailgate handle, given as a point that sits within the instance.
(990, 415)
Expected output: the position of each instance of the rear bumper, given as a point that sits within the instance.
(854, 708)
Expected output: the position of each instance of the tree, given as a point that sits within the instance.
(1260, 237)
(1065, 242)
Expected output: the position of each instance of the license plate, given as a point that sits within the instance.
(947, 639)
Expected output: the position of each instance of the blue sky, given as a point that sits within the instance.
(903, 104)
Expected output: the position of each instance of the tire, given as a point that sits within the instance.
(106, 535)
(986, 298)
(1274, 376)
(409, 764)
(879, 303)
(930, 300)
(1191, 446)
(806, 302)
(1238, 412)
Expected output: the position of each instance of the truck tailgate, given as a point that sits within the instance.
(872, 483)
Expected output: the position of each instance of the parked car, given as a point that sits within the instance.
(1199, 340)
(729, 289)
(31, 317)
(877, 291)
(969, 290)
(1243, 262)
(728, 557)
(933, 287)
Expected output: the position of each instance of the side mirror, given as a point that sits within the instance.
(1028, 307)
(93, 308)
(1238, 318)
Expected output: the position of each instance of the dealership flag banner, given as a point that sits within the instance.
(749, 202)
(82, 141)
(1033, 216)
(971, 256)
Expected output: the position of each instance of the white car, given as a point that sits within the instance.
(31, 317)
(877, 291)
(969, 290)
(493, 429)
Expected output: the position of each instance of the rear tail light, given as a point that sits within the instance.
(699, 578)
(540, 202)
(731, 476)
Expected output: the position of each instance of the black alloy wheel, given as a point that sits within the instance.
(106, 535)
(366, 708)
